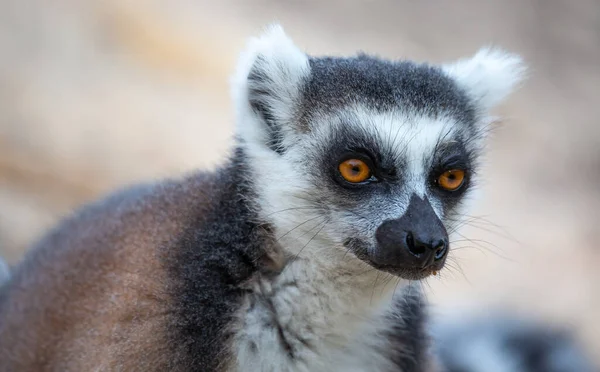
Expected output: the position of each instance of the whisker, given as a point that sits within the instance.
(477, 221)
(500, 234)
(478, 241)
(311, 239)
(454, 266)
(366, 272)
(483, 250)
(396, 287)
(389, 279)
(297, 226)
(292, 209)
(374, 284)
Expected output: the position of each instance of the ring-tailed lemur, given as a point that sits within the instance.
(348, 178)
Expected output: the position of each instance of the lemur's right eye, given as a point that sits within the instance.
(355, 170)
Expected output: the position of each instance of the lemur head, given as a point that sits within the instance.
(364, 160)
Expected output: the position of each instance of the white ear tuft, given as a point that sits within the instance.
(266, 86)
(489, 76)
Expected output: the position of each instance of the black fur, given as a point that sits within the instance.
(388, 164)
(335, 83)
(258, 95)
(545, 350)
(347, 140)
(215, 257)
(383, 85)
(453, 156)
(221, 251)
(407, 334)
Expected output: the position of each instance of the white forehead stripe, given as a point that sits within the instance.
(414, 139)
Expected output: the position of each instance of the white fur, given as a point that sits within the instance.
(325, 305)
(489, 76)
(338, 300)
(275, 54)
(326, 295)
(416, 137)
(341, 328)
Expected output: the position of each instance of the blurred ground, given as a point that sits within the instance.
(99, 94)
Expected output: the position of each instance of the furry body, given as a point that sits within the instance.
(274, 262)
(163, 284)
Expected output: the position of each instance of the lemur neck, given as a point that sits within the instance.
(361, 288)
(307, 299)
(312, 263)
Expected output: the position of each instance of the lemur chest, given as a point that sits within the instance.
(295, 324)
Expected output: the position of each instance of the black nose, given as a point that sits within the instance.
(416, 240)
(426, 248)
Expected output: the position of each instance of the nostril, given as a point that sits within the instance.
(440, 249)
(413, 247)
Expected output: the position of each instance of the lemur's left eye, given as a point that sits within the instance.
(354, 170)
(451, 180)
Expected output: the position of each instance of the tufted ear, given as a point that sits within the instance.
(267, 88)
(489, 76)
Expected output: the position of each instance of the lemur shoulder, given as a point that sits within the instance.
(346, 182)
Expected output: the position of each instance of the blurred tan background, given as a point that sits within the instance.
(98, 94)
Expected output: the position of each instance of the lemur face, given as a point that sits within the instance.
(362, 160)
(391, 184)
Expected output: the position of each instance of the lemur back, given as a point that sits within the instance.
(300, 253)
(92, 294)
(144, 280)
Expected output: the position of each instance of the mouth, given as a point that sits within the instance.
(409, 273)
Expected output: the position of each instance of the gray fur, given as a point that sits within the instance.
(383, 85)
(267, 264)
(4, 272)
(503, 343)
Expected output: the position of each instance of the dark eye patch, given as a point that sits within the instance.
(355, 142)
(450, 156)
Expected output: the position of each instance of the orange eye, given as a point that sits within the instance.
(354, 170)
(452, 180)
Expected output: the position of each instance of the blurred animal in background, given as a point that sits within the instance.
(502, 342)
(4, 271)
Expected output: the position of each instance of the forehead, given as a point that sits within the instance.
(383, 86)
(407, 140)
